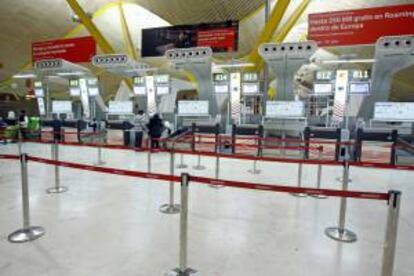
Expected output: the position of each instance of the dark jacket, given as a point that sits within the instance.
(155, 127)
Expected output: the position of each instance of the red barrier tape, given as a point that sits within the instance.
(205, 180)
(105, 170)
(9, 157)
(243, 157)
(289, 189)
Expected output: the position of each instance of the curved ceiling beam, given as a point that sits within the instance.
(129, 44)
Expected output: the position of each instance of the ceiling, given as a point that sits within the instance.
(26, 21)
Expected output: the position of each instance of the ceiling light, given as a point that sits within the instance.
(24, 76)
(340, 61)
(233, 65)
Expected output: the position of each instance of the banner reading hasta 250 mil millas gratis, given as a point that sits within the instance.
(357, 27)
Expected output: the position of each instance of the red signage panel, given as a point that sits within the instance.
(80, 49)
(222, 38)
(356, 27)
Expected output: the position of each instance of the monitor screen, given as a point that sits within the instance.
(250, 88)
(75, 91)
(193, 108)
(140, 90)
(163, 90)
(221, 89)
(323, 88)
(359, 88)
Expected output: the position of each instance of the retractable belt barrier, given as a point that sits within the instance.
(363, 164)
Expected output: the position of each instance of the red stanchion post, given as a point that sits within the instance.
(27, 233)
(183, 269)
(390, 242)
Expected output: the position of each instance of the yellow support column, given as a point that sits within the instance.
(293, 19)
(274, 21)
(129, 44)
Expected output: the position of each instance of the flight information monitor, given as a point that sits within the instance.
(250, 88)
(359, 87)
(394, 111)
(284, 109)
(120, 107)
(322, 88)
(193, 108)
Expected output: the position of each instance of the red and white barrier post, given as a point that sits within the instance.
(183, 269)
(57, 189)
(390, 243)
(340, 233)
(171, 207)
(27, 233)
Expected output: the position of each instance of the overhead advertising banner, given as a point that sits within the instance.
(360, 27)
(80, 49)
(221, 37)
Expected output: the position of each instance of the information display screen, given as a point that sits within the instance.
(163, 90)
(323, 88)
(162, 79)
(220, 77)
(359, 88)
(140, 90)
(75, 91)
(139, 80)
(394, 111)
(61, 107)
(221, 37)
(73, 83)
(324, 75)
(93, 82)
(120, 107)
(250, 77)
(39, 92)
(93, 91)
(193, 108)
(250, 88)
(221, 89)
(284, 109)
(38, 84)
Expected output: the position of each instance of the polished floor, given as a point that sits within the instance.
(110, 225)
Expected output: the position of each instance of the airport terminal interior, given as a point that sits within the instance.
(207, 137)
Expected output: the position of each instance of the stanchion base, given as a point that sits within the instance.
(299, 195)
(27, 234)
(254, 171)
(199, 167)
(57, 190)
(182, 166)
(170, 209)
(216, 186)
(339, 179)
(318, 196)
(178, 272)
(100, 163)
(342, 235)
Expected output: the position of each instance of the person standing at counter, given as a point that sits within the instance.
(138, 128)
(155, 129)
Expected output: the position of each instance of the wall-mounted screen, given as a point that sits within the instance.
(75, 91)
(220, 37)
(193, 108)
(359, 87)
(140, 90)
(394, 111)
(250, 88)
(61, 107)
(221, 89)
(284, 109)
(39, 92)
(93, 82)
(38, 84)
(163, 90)
(250, 77)
(120, 107)
(162, 79)
(220, 77)
(324, 75)
(73, 83)
(139, 81)
(323, 88)
(93, 91)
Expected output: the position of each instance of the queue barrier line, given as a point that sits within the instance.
(206, 180)
(363, 164)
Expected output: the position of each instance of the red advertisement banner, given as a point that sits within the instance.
(357, 27)
(80, 49)
(223, 39)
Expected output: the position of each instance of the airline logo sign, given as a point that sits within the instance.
(360, 27)
(76, 50)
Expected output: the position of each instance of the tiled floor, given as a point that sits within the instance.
(110, 225)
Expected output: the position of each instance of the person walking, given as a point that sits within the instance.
(155, 129)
